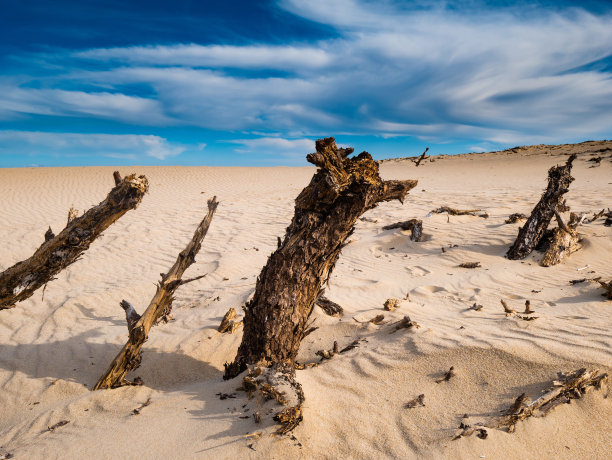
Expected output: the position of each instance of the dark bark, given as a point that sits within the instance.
(559, 180)
(19, 282)
(325, 214)
(160, 306)
(417, 162)
(565, 240)
(414, 225)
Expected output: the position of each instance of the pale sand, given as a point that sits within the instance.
(355, 402)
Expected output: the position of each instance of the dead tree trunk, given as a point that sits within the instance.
(559, 180)
(160, 306)
(19, 282)
(325, 214)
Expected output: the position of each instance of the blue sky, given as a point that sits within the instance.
(190, 82)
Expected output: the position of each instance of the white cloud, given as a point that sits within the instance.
(130, 146)
(277, 147)
(193, 55)
(439, 74)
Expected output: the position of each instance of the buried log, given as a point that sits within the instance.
(569, 387)
(341, 190)
(414, 225)
(559, 180)
(20, 281)
(459, 212)
(160, 306)
(565, 240)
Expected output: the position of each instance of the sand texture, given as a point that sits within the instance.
(53, 349)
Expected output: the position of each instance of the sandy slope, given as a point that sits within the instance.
(53, 349)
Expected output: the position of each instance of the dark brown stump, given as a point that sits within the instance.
(559, 180)
(19, 282)
(326, 210)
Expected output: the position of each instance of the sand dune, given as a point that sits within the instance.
(52, 350)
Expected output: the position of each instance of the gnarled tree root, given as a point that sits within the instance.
(160, 306)
(20, 281)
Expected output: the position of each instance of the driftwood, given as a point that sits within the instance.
(559, 180)
(607, 286)
(417, 161)
(391, 304)
(470, 265)
(457, 212)
(414, 225)
(449, 375)
(326, 210)
(418, 401)
(569, 387)
(330, 308)
(160, 306)
(20, 281)
(405, 323)
(513, 218)
(228, 323)
(565, 240)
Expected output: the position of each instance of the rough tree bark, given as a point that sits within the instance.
(19, 282)
(565, 240)
(160, 306)
(326, 210)
(559, 180)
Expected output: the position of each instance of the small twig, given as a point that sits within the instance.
(58, 424)
(451, 373)
(142, 406)
(418, 401)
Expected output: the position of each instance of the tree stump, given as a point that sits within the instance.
(559, 180)
(341, 190)
(19, 282)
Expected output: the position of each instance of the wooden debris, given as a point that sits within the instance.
(470, 265)
(57, 425)
(328, 354)
(19, 282)
(72, 214)
(578, 281)
(559, 180)
(405, 323)
(141, 407)
(571, 386)
(329, 307)
(528, 309)
(513, 218)
(392, 304)
(607, 286)
(415, 226)
(228, 325)
(161, 304)
(354, 344)
(417, 161)
(223, 396)
(450, 374)
(460, 212)
(565, 240)
(418, 401)
(597, 215)
(476, 307)
(509, 311)
(325, 214)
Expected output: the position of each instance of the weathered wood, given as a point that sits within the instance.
(326, 210)
(422, 157)
(513, 218)
(458, 212)
(20, 281)
(330, 308)
(161, 304)
(607, 287)
(559, 180)
(569, 387)
(565, 241)
(228, 323)
(414, 225)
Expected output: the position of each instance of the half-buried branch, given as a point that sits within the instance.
(19, 282)
(341, 190)
(139, 326)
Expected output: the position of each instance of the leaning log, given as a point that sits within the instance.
(160, 306)
(414, 225)
(326, 210)
(559, 180)
(19, 282)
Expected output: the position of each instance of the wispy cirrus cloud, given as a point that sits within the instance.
(111, 145)
(511, 75)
